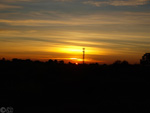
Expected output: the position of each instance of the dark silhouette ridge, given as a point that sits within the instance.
(54, 86)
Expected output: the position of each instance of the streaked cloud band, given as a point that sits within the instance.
(117, 2)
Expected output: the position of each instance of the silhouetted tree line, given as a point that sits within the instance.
(57, 86)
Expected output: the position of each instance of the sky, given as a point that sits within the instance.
(109, 30)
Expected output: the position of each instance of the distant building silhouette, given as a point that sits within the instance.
(145, 59)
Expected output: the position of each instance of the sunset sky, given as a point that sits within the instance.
(109, 30)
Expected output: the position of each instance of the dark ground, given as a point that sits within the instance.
(48, 87)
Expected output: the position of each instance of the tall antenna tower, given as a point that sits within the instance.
(83, 54)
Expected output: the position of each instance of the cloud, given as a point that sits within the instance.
(117, 2)
(64, 0)
(73, 22)
(96, 3)
(6, 6)
(60, 19)
(10, 1)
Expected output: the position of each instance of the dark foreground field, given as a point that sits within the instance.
(48, 87)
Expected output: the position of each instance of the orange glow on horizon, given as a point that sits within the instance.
(73, 58)
(76, 50)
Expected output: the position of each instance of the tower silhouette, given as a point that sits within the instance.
(83, 54)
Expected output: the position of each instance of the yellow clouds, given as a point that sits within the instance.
(113, 18)
(77, 50)
(74, 21)
(31, 22)
(67, 44)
